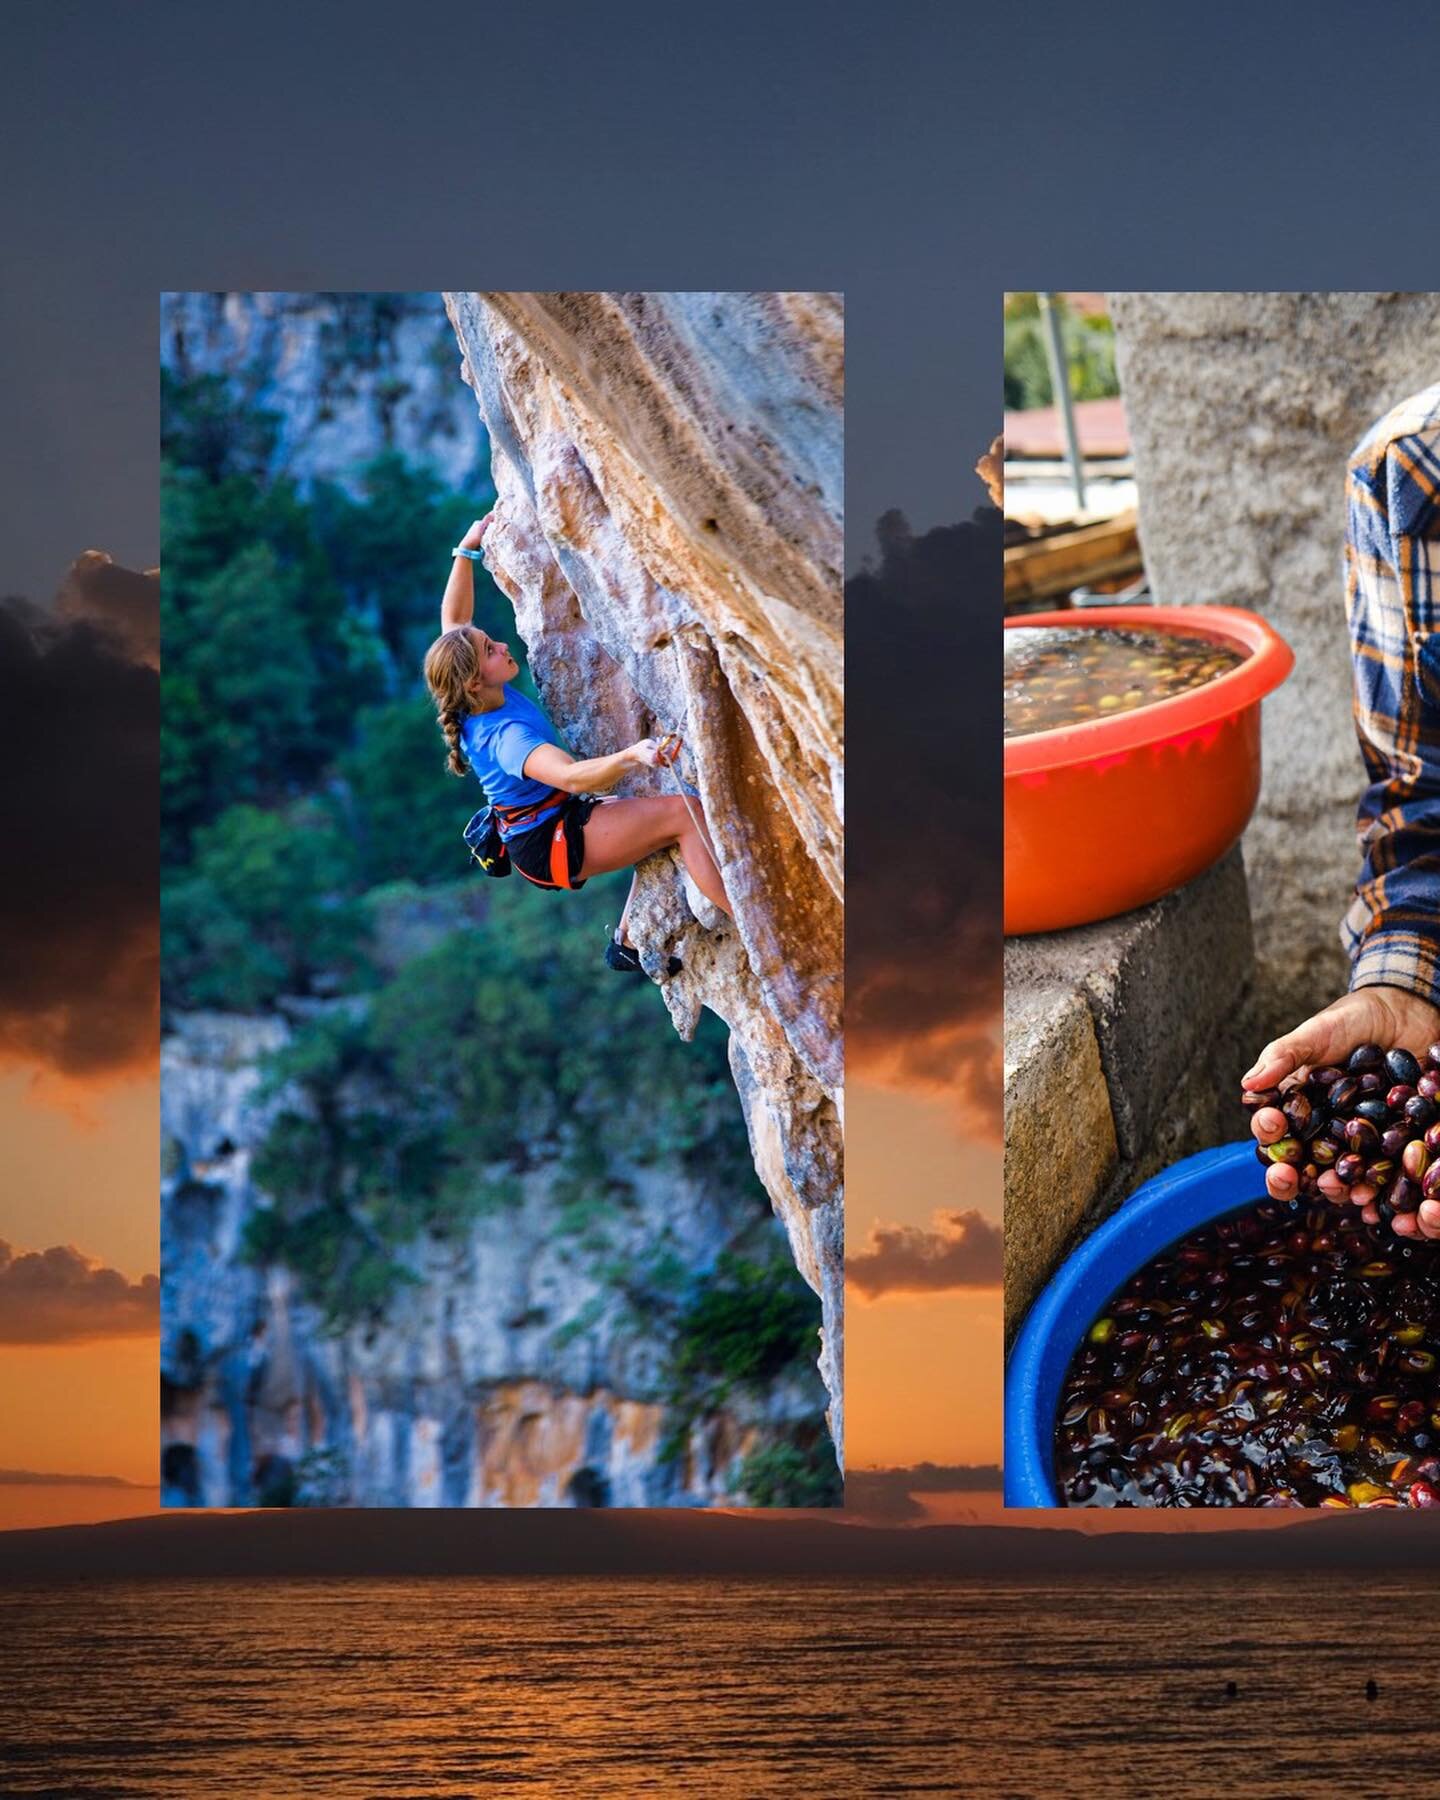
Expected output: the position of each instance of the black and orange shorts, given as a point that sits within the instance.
(554, 848)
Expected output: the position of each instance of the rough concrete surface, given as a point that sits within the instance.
(669, 528)
(1243, 409)
(1060, 1147)
(1165, 994)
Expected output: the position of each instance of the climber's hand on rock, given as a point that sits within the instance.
(645, 754)
(1390, 1017)
(473, 537)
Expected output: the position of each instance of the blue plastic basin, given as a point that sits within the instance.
(1185, 1196)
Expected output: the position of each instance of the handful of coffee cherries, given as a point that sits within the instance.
(1368, 1133)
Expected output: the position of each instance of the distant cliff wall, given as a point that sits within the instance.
(348, 376)
(669, 528)
(441, 1404)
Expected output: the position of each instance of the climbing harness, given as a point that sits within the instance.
(488, 830)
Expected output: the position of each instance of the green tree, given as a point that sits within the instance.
(791, 1474)
(264, 910)
(406, 810)
(1089, 348)
(202, 427)
(389, 550)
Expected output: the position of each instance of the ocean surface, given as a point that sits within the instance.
(190, 1690)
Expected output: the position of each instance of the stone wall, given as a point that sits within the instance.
(1243, 409)
(669, 527)
(1124, 1043)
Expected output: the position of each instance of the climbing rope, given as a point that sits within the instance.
(668, 752)
(670, 745)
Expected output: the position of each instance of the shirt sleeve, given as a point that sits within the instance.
(512, 743)
(1391, 931)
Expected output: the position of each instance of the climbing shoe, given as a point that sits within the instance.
(623, 959)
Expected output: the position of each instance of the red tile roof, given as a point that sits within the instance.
(1100, 424)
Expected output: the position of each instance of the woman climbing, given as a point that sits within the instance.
(556, 832)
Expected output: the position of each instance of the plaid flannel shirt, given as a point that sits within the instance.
(1392, 557)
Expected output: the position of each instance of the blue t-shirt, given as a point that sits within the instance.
(497, 743)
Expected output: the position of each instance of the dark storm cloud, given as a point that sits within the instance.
(923, 841)
(60, 1296)
(888, 1494)
(123, 603)
(962, 1250)
(79, 824)
(35, 1478)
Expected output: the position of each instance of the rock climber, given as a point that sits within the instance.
(1392, 929)
(557, 821)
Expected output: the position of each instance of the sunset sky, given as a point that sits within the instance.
(79, 731)
(923, 1364)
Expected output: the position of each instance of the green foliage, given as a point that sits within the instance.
(322, 1478)
(421, 1108)
(202, 428)
(347, 1179)
(517, 1027)
(262, 911)
(742, 1324)
(1089, 346)
(787, 1474)
(263, 670)
(745, 1322)
(585, 1320)
(390, 549)
(404, 810)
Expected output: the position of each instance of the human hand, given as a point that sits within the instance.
(645, 754)
(1383, 1015)
(474, 536)
(1370, 1015)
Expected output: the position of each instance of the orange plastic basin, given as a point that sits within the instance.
(1113, 813)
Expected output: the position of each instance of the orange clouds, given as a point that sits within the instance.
(991, 470)
(60, 1296)
(960, 1061)
(962, 1250)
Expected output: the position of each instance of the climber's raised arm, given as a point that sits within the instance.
(457, 606)
(596, 775)
(556, 839)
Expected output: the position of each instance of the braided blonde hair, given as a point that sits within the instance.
(452, 666)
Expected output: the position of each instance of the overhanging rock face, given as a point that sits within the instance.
(669, 527)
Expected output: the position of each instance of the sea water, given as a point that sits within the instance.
(194, 1689)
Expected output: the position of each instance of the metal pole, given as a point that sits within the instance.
(1060, 387)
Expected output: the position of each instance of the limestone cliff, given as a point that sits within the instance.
(441, 1403)
(669, 528)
